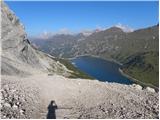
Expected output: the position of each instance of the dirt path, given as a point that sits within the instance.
(77, 98)
(56, 88)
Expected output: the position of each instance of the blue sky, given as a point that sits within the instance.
(77, 16)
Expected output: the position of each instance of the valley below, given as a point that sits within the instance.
(35, 76)
(136, 51)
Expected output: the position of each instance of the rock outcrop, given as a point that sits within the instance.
(19, 57)
(27, 88)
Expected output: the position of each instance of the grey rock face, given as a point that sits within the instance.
(19, 58)
(17, 52)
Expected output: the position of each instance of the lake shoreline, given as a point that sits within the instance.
(88, 55)
(120, 70)
(101, 69)
(137, 81)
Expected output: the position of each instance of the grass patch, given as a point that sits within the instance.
(144, 67)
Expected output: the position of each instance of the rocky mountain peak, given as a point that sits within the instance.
(114, 29)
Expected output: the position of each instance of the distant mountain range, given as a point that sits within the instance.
(111, 44)
(58, 45)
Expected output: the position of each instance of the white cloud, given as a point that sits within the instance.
(64, 31)
(98, 27)
(125, 28)
(45, 34)
(86, 32)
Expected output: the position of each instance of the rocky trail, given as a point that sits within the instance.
(75, 98)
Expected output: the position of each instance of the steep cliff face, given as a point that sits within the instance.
(19, 57)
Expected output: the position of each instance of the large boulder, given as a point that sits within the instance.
(150, 89)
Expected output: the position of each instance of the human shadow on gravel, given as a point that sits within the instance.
(52, 110)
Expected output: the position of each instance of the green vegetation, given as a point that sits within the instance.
(76, 72)
(143, 67)
(137, 50)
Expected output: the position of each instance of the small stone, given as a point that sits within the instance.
(150, 89)
(148, 102)
(2, 101)
(138, 87)
(112, 104)
(17, 103)
(21, 111)
(7, 105)
(155, 106)
(122, 108)
(15, 106)
(12, 91)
